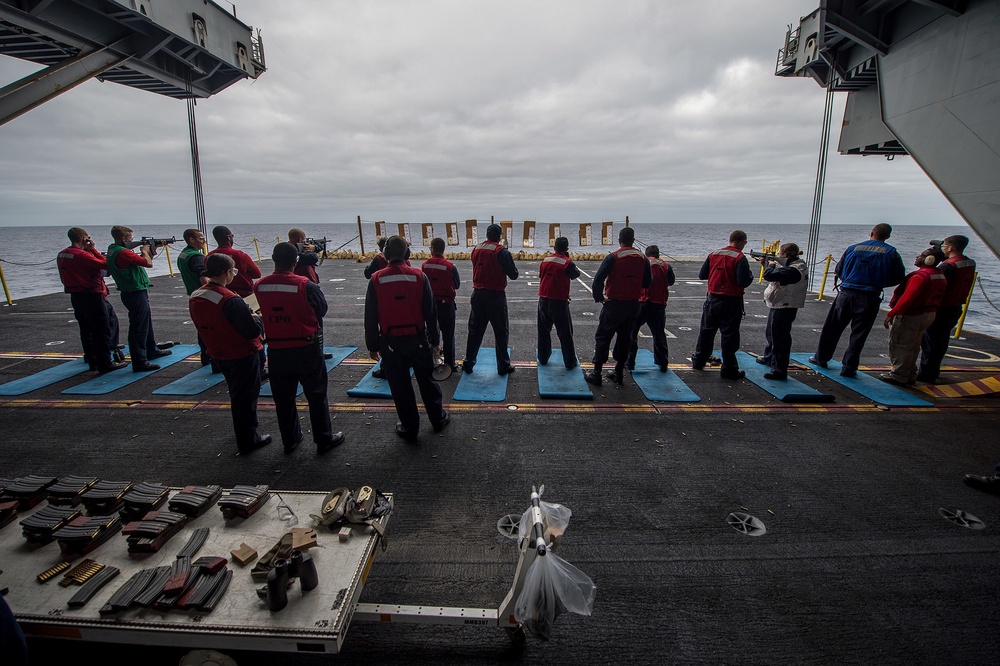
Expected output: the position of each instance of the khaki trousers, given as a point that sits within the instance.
(905, 334)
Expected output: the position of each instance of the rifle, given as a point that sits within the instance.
(319, 243)
(767, 256)
(149, 240)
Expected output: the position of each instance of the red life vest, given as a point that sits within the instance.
(381, 261)
(308, 272)
(625, 281)
(960, 279)
(288, 319)
(920, 291)
(722, 272)
(242, 284)
(934, 291)
(554, 283)
(221, 338)
(486, 270)
(438, 270)
(400, 292)
(80, 271)
(659, 289)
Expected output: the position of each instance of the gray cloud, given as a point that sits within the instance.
(443, 110)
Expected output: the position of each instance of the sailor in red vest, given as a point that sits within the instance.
(231, 334)
(492, 265)
(626, 272)
(960, 272)
(81, 269)
(555, 274)
(292, 310)
(378, 262)
(400, 329)
(653, 309)
(247, 270)
(912, 308)
(308, 259)
(444, 281)
(728, 273)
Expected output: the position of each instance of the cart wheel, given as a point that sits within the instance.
(509, 525)
(206, 658)
(516, 635)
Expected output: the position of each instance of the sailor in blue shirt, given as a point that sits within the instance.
(865, 269)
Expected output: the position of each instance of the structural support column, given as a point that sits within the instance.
(199, 195)
(817, 209)
(35, 89)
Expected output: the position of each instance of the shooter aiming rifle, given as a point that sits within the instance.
(318, 243)
(767, 256)
(150, 241)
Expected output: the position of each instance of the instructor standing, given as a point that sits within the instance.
(231, 334)
(864, 271)
(728, 273)
(81, 268)
(292, 309)
(626, 272)
(492, 264)
(400, 328)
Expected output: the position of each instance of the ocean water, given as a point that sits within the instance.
(27, 254)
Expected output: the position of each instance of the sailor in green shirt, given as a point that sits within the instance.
(129, 272)
(191, 265)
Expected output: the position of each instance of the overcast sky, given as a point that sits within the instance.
(435, 111)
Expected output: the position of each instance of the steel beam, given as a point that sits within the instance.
(35, 89)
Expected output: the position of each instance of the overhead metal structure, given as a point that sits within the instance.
(923, 79)
(182, 48)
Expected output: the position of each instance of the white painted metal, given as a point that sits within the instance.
(313, 622)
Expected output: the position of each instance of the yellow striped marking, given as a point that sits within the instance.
(973, 388)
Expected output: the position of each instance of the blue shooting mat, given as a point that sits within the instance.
(555, 381)
(483, 384)
(340, 352)
(45, 377)
(786, 390)
(870, 387)
(659, 386)
(372, 387)
(192, 383)
(120, 378)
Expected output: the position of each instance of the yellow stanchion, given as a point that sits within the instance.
(826, 272)
(766, 248)
(961, 320)
(256, 247)
(170, 266)
(6, 291)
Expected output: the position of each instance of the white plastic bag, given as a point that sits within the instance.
(555, 517)
(552, 586)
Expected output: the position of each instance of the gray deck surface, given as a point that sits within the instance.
(857, 566)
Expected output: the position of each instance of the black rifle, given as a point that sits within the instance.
(767, 256)
(318, 243)
(149, 240)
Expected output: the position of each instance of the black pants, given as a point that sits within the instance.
(243, 378)
(720, 314)
(934, 344)
(288, 368)
(617, 321)
(653, 315)
(446, 322)
(399, 354)
(141, 340)
(98, 327)
(488, 308)
(778, 333)
(554, 312)
(860, 310)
